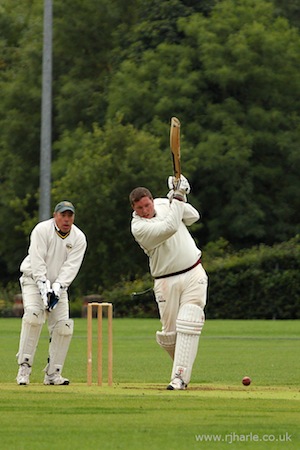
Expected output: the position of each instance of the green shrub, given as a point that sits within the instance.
(7, 298)
(260, 283)
(133, 299)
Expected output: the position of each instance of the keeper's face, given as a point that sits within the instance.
(64, 220)
(144, 208)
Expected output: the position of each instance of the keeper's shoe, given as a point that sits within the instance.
(177, 384)
(23, 374)
(55, 379)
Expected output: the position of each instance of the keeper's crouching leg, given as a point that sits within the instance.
(32, 324)
(59, 346)
(189, 325)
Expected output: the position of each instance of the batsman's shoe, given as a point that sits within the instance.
(177, 384)
(56, 379)
(23, 374)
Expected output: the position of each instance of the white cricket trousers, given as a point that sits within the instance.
(173, 292)
(32, 299)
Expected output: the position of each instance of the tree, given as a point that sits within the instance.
(106, 165)
(20, 60)
(250, 61)
(233, 81)
(84, 41)
(155, 23)
(228, 70)
(289, 9)
(82, 63)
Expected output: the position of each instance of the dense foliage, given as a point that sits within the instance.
(259, 283)
(228, 69)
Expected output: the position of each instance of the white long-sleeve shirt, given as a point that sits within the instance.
(165, 238)
(52, 257)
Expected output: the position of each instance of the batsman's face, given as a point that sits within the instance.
(64, 220)
(144, 208)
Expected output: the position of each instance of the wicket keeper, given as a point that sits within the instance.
(56, 252)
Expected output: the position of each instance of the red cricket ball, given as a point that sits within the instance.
(246, 381)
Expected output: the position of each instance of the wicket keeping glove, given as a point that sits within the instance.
(52, 302)
(54, 297)
(45, 291)
(56, 289)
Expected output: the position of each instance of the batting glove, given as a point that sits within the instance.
(179, 188)
(171, 195)
(45, 291)
(179, 185)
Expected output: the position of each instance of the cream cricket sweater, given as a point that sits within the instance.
(165, 238)
(52, 257)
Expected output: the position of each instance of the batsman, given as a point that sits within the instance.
(160, 227)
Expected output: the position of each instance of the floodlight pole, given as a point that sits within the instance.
(46, 113)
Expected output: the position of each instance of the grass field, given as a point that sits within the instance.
(216, 412)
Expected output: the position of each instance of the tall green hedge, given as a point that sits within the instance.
(260, 283)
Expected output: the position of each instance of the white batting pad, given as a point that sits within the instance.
(59, 346)
(167, 341)
(32, 324)
(189, 324)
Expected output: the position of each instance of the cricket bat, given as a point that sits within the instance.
(175, 146)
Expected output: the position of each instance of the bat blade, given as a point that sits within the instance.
(175, 146)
